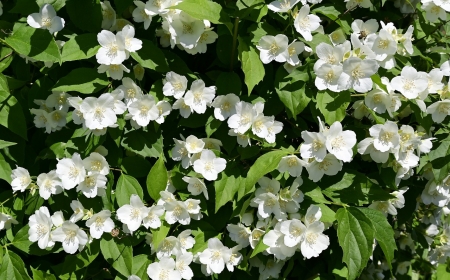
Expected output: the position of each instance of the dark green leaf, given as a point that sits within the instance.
(126, 186)
(119, 253)
(157, 179)
(82, 80)
(333, 105)
(85, 14)
(151, 57)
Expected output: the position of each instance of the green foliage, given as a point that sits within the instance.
(157, 179)
(126, 186)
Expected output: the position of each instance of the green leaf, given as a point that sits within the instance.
(4, 144)
(82, 80)
(80, 47)
(251, 64)
(140, 264)
(157, 179)
(144, 143)
(328, 215)
(355, 235)
(263, 165)
(160, 233)
(260, 247)
(151, 57)
(204, 9)
(6, 57)
(22, 242)
(333, 105)
(122, 5)
(294, 98)
(13, 267)
(384, 233)
(11, 114)
(126, 186)
(85, 14)
(226, 188)
(35, 43)
(136, 166)
(119, 253)
(78, 261)
(440, 160)
(42, 275)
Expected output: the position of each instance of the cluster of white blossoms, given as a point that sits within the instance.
(177, 27)
(88, 175)
(115, 49)
(198, 152)
(323, 152)
(404, 144)
(135, 214)
(52, 112)
(46, 229)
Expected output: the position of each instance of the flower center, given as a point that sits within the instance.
(324, 165)
(73, 172)
(114, 67)
(383, 44)
(317, 145)
(187, 29)
(209, 166)
(96, 165)
(408, 84)
(357, 73)
(131, 93)
(273, 49)
(311, 237)
(47, 22)
(135, 214)
(292, 162)
(338, 142)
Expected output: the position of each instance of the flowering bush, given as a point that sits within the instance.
(182, 139)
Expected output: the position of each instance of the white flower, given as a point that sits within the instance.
(282, 6)
(327, 76)
(126, 36)
(291, 164)
(164, 108)
(267, 185)
(272, 48)
(58, 100)
(100, 223)
(384, 207)
(186, 30)
(49, 184)
(40, 228)
(158, 7)
(167, 247)
(207, 37)
(193, 208)
(439, 110)
(176, 211)
(96, 163)
(293, 231)
(215, 256)
(199, 96)
(366, 147)
(141, 14)
(94, 184)
(363, 29)
(115, 71)
(239, 234)
(163, 270)
(314, 145)
(20, 179)
(386, 137)
(329, 166)
(185, 110)
(71, 171)
(356, 74)
(273, 128)
(175, 85)
(182, 265)
(132, 92)
(410, 83)
(98, 113)
(305, 23)
(313, 214)
(225, 106)
(340, 143)
(144, 110)
(196, 186)
(112, 49)
(180, 153)
(6, 221)
(235, 258)
(243, 119)
(267, 204)
(194, 145)
(242, 139)
(433, 12)
(78, 212)
(260, 125)
(315, 241)
(71, 236)
(445, 68)
(275, 240)
(109, 15)
(186, 240)
(209, 166)
(132, 214)
(46, 19)
(152, 219)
